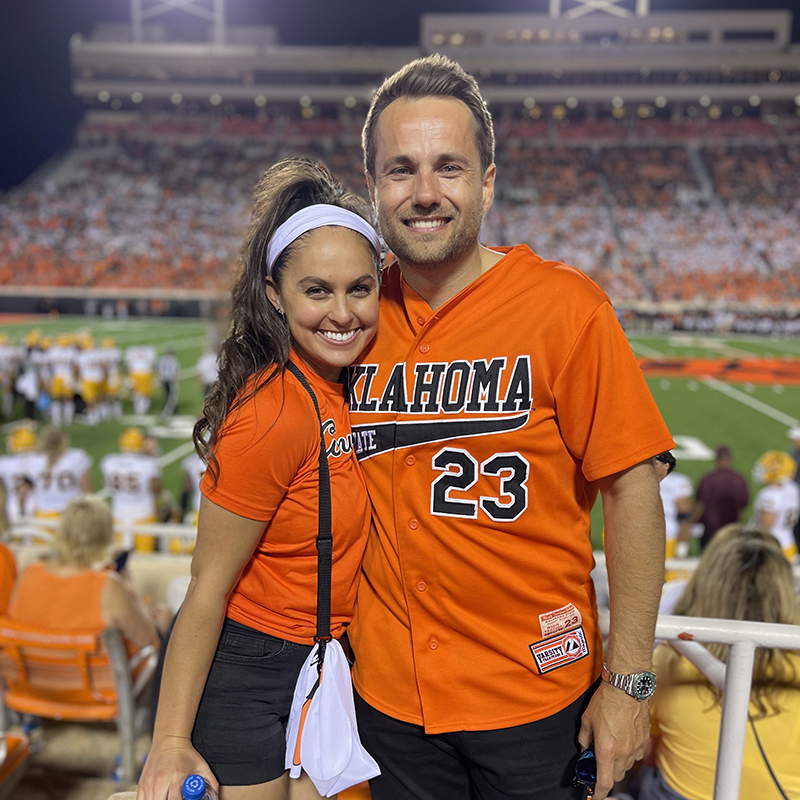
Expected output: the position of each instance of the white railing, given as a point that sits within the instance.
(35, 530)
(734, 678)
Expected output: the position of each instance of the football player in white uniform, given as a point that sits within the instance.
(15, 472)
(112, 358)
(91, 374)
(133, 478)
(141, 361)
(9, 364)
(193, 470)
(63, 380)
(777, 505)
(60, 473)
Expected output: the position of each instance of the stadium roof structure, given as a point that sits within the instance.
(582, 51)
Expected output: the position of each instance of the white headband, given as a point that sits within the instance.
(317, 216)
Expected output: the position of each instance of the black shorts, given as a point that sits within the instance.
(240, 728)
(535, 761)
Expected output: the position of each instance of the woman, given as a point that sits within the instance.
(76, 591)
(743, 575)
(308, 292)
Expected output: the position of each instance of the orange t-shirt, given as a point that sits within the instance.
(8, 574)
(268, 457)
(481, 427)
(59, 602)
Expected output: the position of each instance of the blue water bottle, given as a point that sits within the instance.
(196, 788)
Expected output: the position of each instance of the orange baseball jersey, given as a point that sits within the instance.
(480, 427)
(269, 470)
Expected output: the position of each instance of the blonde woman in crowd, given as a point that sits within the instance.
(743, 575)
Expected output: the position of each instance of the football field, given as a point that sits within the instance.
(702, 411)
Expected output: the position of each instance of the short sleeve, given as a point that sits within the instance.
(263, 446)
(606, 413)
(766, 500)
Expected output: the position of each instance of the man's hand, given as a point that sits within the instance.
(619, 726)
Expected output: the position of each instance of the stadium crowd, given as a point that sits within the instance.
(700, 209)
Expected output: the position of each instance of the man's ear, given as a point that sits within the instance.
(273, 296)
(488, 187)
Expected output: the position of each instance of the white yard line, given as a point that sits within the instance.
(747, 400)
(644, 350)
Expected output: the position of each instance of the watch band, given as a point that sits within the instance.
(639, 685)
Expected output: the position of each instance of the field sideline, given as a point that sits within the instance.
(701, 412)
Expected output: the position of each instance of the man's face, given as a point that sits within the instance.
(429, 190)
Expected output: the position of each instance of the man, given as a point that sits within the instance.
(140, 361)
(777, 505)
(677, 496)
(499, 395)
(169, 369)
(133, 479)
(722, 495)
(794, 434)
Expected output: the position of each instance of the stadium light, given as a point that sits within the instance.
(116, 104)
(618, 113)
(572, 102)
(558, 73)
(437, 39)
(797, 99)
(737, 111)
(530, 102)
(754, 100)
(137, 97)
(526, 35)
(536, 112)
(176, 98)
(715, 112)
(457, 39)
(215, 99)
(305, 101)
(103, 96)
(559, 112)
(774, 76)
(260, 100)
(661, 101)
(705, 101)
(350, 101)
(617, 102)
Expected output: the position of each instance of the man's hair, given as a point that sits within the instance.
(744, 575)
(432, 76)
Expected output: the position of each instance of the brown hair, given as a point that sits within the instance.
(258, 342)
(432, 76)
(744, 575)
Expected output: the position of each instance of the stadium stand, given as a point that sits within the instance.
(680, 212)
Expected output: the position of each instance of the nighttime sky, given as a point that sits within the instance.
(38, 112)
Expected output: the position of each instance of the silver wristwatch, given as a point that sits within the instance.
(639, 685)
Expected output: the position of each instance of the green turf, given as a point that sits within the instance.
(690, 407)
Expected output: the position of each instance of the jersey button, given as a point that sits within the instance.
(433, 644)
(423, 348)
(413, 524)
(422, 586)
(411, 461)
(421, 320)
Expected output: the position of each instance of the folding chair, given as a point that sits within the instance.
(14, 754)
(77, 677)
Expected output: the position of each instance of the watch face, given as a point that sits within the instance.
(644, 685)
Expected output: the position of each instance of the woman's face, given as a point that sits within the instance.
(329, 294)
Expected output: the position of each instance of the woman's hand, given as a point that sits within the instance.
(169, 762)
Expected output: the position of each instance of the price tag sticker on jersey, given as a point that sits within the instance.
(562, 619)
(559, 651)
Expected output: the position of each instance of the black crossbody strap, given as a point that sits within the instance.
(324, 535)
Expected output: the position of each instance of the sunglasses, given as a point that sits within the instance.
(586, 770)
(668, 459)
